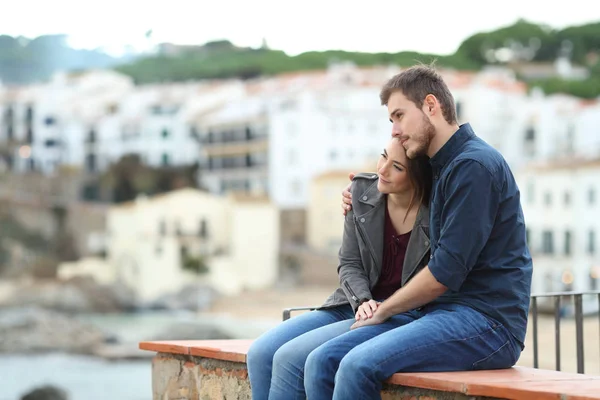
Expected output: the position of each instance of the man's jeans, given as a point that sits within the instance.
(354, 364)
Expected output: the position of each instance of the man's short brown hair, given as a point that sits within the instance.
(416, 83)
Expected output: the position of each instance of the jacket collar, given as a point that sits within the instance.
(371, 195)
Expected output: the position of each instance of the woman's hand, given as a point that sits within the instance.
(366, 310)
(347, 196)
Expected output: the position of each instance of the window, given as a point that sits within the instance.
(183, 251)
(90, 192)
(162, 227)
(548, 198)
(592, 242)
(333, 155)
(165, 160)
(203, 232)
(90, 163)
(547, 242)
(567, 198)
(49, 121)
(531, 192)
(592, 196)
(530, 134)
(91, 138)
(165, 133)
(29, 138)
(568, 239)
(459, 110)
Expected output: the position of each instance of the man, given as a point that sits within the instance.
(468, 308)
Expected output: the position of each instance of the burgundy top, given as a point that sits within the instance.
(394, 250)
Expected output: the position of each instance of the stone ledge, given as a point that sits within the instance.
(215, 369)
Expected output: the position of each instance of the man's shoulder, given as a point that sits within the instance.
(482, 153)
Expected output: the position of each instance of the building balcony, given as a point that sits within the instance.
(238, 147)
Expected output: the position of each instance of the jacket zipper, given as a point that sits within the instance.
(351, 291)
(360, 232)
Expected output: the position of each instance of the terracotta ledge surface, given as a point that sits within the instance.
(513, 383)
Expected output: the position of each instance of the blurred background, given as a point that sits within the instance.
(173, 170)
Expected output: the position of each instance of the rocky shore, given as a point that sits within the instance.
(52, 316)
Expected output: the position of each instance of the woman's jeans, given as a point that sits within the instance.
(276, 359)
(334, 362)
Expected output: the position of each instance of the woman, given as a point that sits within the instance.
(385, 244)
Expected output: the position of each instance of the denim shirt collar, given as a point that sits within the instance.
(448, 150)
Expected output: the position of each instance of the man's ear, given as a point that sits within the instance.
(430, 105)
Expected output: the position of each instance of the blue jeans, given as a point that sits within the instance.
(438, 337)
(276, 359)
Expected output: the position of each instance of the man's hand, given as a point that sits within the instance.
(366, 310)
(377, 318)
(347, 196)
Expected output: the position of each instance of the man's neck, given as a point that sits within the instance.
(441, 138)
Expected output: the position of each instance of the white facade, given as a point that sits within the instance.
(300, 126)
(561, 204)
(150, 239)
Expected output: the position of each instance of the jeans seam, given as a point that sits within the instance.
(491, 354)
(432, 344)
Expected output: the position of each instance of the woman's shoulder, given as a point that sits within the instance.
(366, 178)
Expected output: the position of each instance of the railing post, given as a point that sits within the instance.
(579, 331)
(557, 330)
(535, 332)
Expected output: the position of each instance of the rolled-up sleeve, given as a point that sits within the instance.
(470, 204)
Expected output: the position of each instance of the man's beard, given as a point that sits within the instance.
(422, 139)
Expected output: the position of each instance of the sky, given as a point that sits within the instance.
(434, 26)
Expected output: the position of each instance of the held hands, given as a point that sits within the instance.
(347, 196)
(366, 314)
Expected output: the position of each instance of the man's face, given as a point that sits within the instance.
(410, 125)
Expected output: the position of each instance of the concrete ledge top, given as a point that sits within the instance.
(513, 383)
(227, 350)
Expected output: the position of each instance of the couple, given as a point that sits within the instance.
(434, 269)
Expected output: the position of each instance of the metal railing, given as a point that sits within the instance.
(557, 299)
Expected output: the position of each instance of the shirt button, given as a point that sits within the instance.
(431, 256)
(362, 220)
(365, 197)
(437, 177)
(427, 243)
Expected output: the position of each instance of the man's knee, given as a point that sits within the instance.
(354, 368)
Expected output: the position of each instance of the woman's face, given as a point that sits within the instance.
(391, 168)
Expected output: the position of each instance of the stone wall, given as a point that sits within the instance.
(184, 377)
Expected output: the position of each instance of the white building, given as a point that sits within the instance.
(561, 203)
(151, 240)
(154, 122)
(292, 128)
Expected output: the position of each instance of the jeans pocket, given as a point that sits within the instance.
(502, 358)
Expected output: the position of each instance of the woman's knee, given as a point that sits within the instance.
(288, 355)
(260, 353)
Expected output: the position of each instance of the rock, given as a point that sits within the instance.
(191, 331)
(46, 393)
(192, 297)
(78, 295)
(27, 330)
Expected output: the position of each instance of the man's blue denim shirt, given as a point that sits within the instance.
(478, 241)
